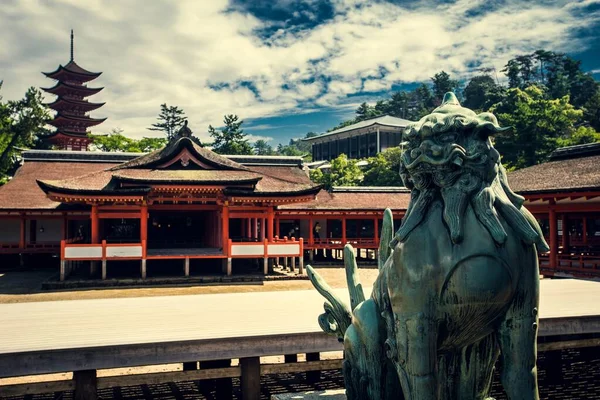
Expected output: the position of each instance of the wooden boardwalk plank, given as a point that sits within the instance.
(103, 322)
(108, 333)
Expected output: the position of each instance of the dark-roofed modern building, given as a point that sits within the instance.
(363, 139)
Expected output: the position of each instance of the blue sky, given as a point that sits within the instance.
(286, 67)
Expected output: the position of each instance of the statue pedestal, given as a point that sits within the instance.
(325, 395)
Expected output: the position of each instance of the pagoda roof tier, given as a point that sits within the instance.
(185, 166)
(62, 120)
(65, 104)
(63, 88)
(72, 71)
(64, 134)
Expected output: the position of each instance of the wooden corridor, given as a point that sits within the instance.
(86, 335)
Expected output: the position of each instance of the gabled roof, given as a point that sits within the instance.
(183, 162)
(384, 120)
(166, 154)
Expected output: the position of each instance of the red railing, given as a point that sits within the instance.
(339, 243)
(571, 265)
(36, 247)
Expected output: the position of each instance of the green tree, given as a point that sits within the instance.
(384, 169)
(482, 92)
(342, 124)
(591, 110)
(262, 148)
(583, 135)
(289, 150)
(170, 120)
(365, 111)
(343, 172)
(117, 142)
(443, 84)
(538, 124)
(230, 139)
(22, 125)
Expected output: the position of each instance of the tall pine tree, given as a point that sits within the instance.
(230, 139)
(170, 120)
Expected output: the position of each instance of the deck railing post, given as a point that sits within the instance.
(86, 385)
(250, 380)
(144, 249)
(313, 376)
(103, 259)
(266, 257)
(301, 258)
(62, 260)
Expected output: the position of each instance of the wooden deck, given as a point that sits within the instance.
(48, 337)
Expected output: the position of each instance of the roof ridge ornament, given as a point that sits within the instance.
(185, 131)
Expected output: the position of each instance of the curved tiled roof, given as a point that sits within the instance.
(355, 200)
(160, 167)
(22, 191)
(576, 174)
(161, 156)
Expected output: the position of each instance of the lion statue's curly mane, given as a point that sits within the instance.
(450, 155)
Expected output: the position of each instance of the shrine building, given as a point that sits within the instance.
(186, 205)
(181, 202)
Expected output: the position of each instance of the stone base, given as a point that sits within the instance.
(326, 395)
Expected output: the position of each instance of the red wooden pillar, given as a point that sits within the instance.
(263, 229)
(585, 231)
(22, 237)
(565, 233)
(553, 237)
(277, 233)
(95, 224)
(144, 221)
(311, 239)
(344, 230)
(255, 228)
(248, 228)
(270, 219)
(376, 230)
(225, 227)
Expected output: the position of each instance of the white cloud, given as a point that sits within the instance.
(159, 51)
(254, 138)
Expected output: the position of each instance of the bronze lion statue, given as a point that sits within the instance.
(458, 283)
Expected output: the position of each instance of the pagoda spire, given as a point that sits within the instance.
(72, 119)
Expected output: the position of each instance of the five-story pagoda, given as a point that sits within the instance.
(72, 119)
